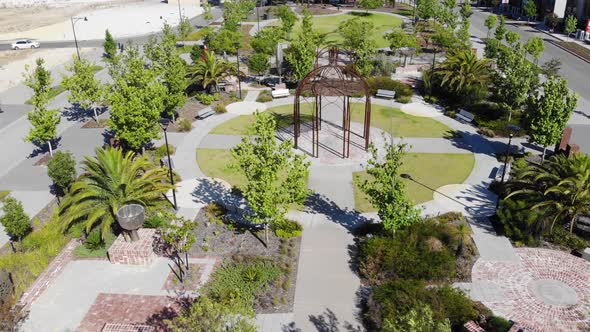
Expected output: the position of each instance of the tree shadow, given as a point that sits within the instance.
(42, 148)
(77, 113)
(347, 218)
(171, 311)
(328, 322)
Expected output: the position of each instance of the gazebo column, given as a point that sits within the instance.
(347, 132)
(296, 121)
(367, 121)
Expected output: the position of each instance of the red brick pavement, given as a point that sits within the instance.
(519, 303)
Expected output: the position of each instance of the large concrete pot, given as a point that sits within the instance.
(131, 218)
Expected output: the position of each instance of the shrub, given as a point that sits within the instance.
(288, 229)
(94, 241)
(264, 97)
(520, 222)
(498, 324)
(404, 99)
(92, 251)
(487, 132)
(453, 303)
(220, 108)
(205, 99)
(62, 170)
(184, 125)
(562, 237)
(160, 152)
(155, 221)
(15, 221)
(386, 83)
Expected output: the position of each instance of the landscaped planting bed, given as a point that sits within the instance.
(575, 48)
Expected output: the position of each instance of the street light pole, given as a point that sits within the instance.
(164, 125)
(238, 69)
(74, 20)
(179, 14)
(258, 15)
(506, 156)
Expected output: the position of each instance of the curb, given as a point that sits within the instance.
(570, 52)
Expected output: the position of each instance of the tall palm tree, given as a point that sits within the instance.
(209, 71)
(462, 70)
(561, 186)
(111, 180)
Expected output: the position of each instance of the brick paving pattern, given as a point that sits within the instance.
(520, 300)
(128, 309)
(48, 275)
(140, 252)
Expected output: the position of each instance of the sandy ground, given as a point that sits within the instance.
(123, 20)
(13, 63)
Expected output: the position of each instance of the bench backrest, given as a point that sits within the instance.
(386, 92)
(467, 115)
(280, 92)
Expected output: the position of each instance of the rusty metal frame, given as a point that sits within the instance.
(336, 79)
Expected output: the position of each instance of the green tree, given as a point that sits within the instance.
(179, 234)
(43, 121)
(419, 319)
(206, 315)
(184, 28)
(62, 171)
(465, 11)
(512, 37)
(535, 46)
(427, 9)
(266, 40)
(490, 23)
(109, 45)
(357, 34)
(398, 38)
(571, 23)
(463, 34)
(301, 54)
(466, 75)
(386, 190)
(85, 90)
(559, 187)
(501, 29)
(136, 99)
(207, 15)
(210, 70)
(288, 19)
(171, 69)
(109, 181)
(196, 53)
(369, 4)
(552, 20)
(276, 176)
(530, 9)
(15, 221)
(258, 63)
(549, 111)
(224, 40)
(446, 13)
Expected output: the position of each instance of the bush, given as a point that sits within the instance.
(264, 97)
(155, 221)
(62, 170)
(498, 324)
(14, 219)
(220, 108)
(486, 132)
(386, 83)
(288, 229)
(94, 240)
(404, 99)
(100, 251)
(520, 223)
(206, 99)
(160, 152)
(562, 237)
(184, 125)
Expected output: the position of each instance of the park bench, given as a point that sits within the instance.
(278, 93)
(500, 171)
(203, 114)
(387, 94)
(465, 116)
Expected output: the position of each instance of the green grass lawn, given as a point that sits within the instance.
(432, 169)
(4, 194)
(53, 92)
(218, 163)
(82, 252)
(403, 125)
(329, 25)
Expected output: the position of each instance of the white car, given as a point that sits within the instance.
(24, 43)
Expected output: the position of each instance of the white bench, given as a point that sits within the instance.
(387, 94)
(465, 116)
(500, 171)
(278, 93)
(202, 114)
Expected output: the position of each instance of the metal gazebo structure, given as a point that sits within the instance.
(333, 83)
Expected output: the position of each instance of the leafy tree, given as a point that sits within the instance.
(501, 29)
(288, 19)
(551, 68)
(210, 70)
(15, 221)
(463, 34)
(196, 53)
(530, 9)
(535, 46)
(369, 4)
(357, 34)
(276, 176)
(418, 319)
(224, 40)
(171, 69)
(386, 190)
(206, 315)
(490, 23)
(446, 14)
(445, 38)
(136, 99)
(43, 121)
(85, 90)
(109, 45)
(258, 63)
(465, 11)
(560, 187)
(427, 9)
(301, 54)
(234, 11)
(266, 40)
(184, 28)
(179, 234)
(109, 181)
(62, 170)
(549, 112)
(552, 20)
(570, 25)
(463, 73)
(512, 37)
(398, 38)
(207, 15)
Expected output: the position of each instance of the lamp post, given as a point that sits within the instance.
(74, 19)
(258, 15)
(164, 123)
(238, 69)
(179, 14)
(506, 156)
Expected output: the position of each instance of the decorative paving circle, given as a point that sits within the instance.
(546, 291)
(245, 107)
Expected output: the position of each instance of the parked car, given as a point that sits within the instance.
(25, 43)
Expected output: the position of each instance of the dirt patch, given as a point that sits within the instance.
(191, 279)
(102, 123)
(43, 160)
(188, 112)
(317, 9)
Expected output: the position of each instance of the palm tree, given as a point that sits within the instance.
(210, 71)
(561, 186)
(462, 71)
(111, 180)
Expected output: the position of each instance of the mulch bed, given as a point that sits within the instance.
(318, 9)
(43, 161)
(189, 112)
(102, 123)
(224, 241)
(191, 281)
(575, 48)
